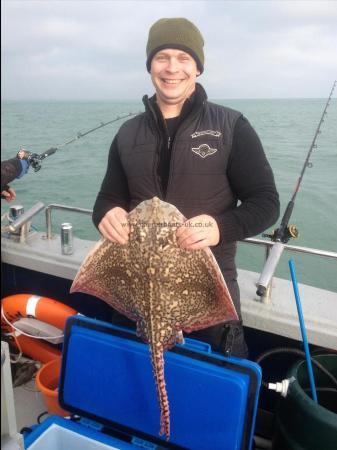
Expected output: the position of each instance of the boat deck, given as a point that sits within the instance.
(29, 404)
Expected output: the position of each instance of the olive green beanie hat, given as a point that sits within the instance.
(177, 33)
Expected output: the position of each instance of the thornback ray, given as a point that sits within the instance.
(153, 281)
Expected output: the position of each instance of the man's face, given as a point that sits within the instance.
(173, 74)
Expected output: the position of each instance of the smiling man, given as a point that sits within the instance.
(173, 74)
(204, 158)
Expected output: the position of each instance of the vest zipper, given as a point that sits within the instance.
(155, 169)
(188, 120)
(159, 144)
(168, 149)
(159, 134)
(159, 182)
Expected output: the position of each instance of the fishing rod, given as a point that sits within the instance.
(285, 231)
(35, 159)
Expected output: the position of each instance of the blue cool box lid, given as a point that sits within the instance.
(107, 376)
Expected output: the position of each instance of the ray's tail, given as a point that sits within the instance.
(157, 357)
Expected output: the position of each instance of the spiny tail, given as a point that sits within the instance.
(158, 369)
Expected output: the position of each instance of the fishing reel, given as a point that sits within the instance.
(283, 235)
(33, 159)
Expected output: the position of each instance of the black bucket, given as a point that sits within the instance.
(301, 423)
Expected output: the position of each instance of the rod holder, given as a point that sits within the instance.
(25, 217)
(269, 268)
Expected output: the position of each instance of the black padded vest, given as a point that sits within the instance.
(197, 182)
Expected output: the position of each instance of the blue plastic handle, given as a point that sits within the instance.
(303, 330)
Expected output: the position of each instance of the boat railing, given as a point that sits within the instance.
(292, 248)
(266, 298)
(53, 206)
(252, 241)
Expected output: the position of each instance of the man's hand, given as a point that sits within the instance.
(9, 194)
(114, 226)
(198, 232)
(23, 154)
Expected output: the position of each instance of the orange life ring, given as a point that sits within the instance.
(45, 309)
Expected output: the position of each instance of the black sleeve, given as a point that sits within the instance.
(10, 169)
(252, 182)
(114, 190)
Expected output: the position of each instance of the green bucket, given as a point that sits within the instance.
(300, 422)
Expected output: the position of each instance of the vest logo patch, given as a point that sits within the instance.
(203, 133)
(204, 150)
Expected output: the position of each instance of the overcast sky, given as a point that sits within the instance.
(74, 50)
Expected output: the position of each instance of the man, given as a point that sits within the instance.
(10, 169)
(199, 156)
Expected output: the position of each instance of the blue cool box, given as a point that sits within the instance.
(107, 380)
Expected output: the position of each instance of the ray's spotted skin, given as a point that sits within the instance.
(161, 286)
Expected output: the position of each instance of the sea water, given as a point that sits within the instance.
(286, 127)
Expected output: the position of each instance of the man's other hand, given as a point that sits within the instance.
(114, 226)
(199, 232)
(9, 195)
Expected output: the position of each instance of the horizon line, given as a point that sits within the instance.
(4, 100)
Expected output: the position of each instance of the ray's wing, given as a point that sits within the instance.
(118, 274)
(209, 301)
(193, 293)
(106, 274)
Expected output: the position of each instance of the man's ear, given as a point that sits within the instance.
(198, 73)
